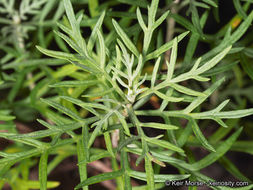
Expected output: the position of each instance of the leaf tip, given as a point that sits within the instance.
(38, 47)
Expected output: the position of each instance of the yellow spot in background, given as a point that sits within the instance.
(83, 113)
(95, 98)
(154, 99)
(148, 69)
(235, 22)
(70, 91)
(12, 150)
(142, 86)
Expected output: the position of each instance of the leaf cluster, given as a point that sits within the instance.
(97, 85)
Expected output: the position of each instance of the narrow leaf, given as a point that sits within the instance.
(159, 126)
(173, 59)
(71, 15)
(168, 98)
(161, 19)
(127, 141)
(140, 19)
(195, 19)
(157, 177)
(154, 73)
(43, 171)
(123, 122)
(99, 94)
(84, 104)
(208, 65)
(185, 90)
(100, 178)
(164, 48)
(233, 38)
(210, 2)
(62, 109)
(164, 144)
(201, 99)
(6, 117)
(56, 54)
(220, 151)
(74, 83)
(234, 114)
(94, 32)
(108, 143)
(246, 65)
(102, 50)
(125, 38)
(199, 135)
(70, 42)
(239, 9)
(142, 3)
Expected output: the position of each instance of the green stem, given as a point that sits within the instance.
(83, 155)
(145, 149)
(135, 120)
(125, 164)
(119, 180)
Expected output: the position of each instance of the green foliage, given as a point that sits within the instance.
(97, 83)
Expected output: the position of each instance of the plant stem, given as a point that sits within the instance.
(119, 181)
(145, 149)
(83, 155)
(170, 29)
(21, 43)
(125, 164)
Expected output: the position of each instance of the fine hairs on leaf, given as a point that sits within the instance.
(121, 90)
